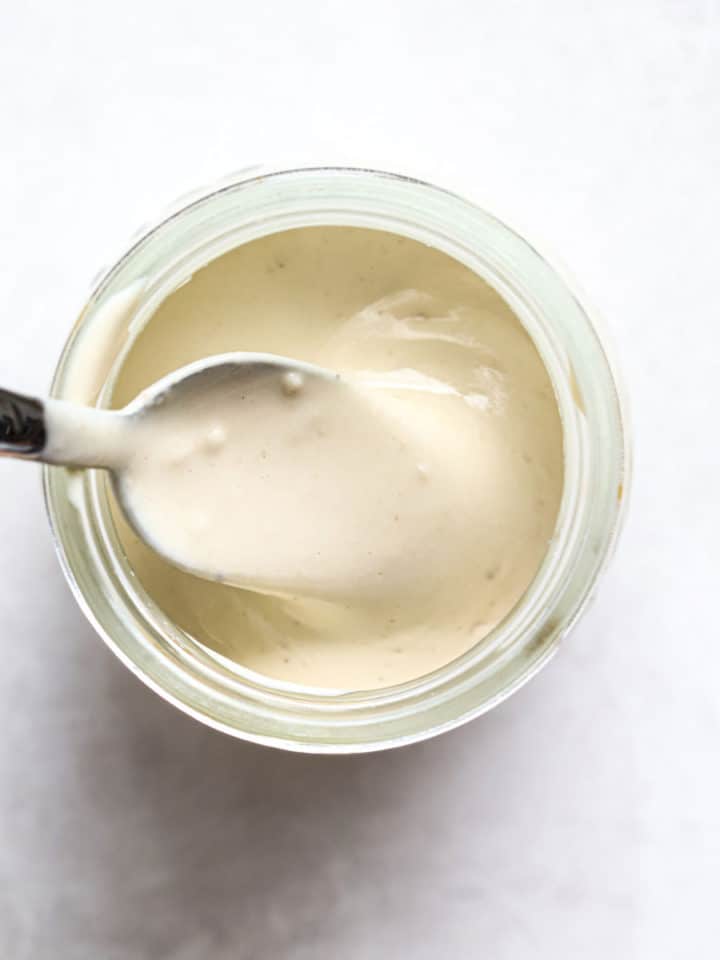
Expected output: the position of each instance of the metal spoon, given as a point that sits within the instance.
(56, 432)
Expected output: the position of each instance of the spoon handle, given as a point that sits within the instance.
(22, 425)
(61, 433)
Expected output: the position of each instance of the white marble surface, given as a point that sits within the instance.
(582, 818)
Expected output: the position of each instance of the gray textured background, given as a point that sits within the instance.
(582, 818)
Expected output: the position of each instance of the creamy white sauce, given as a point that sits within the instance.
(408, 518)
(99, 345)
(296, 483)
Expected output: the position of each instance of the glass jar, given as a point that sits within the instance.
(226, 696)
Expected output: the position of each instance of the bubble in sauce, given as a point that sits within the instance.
(292, 382)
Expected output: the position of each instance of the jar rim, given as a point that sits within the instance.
(596, 461)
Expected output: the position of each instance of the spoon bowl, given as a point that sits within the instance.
(263, 472)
